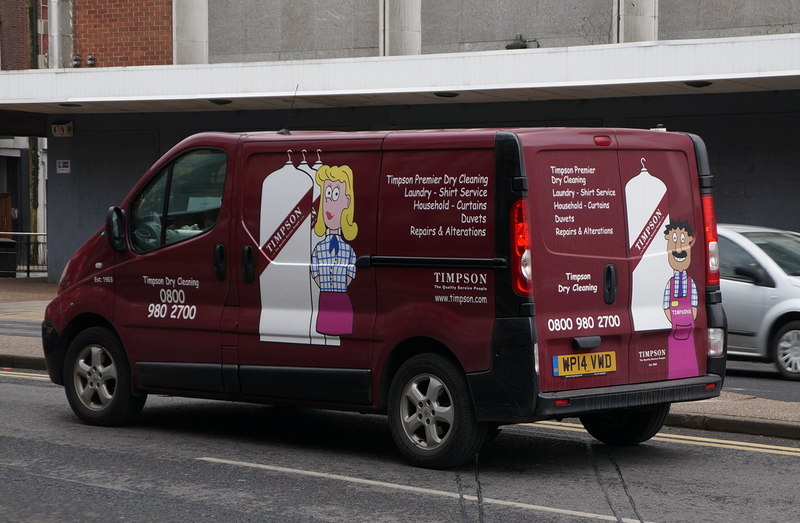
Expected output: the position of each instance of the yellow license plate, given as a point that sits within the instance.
(594, 363)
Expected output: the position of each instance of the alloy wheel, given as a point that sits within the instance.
(427, 411)
(95, 377)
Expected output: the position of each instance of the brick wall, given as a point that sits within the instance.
(122, 33)
(15, 52)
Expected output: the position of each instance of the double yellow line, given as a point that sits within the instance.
(26, 375)
(686, 440)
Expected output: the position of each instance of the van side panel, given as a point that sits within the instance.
(435, 253)
(306, 311)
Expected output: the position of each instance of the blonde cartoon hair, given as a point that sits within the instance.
(342, 174)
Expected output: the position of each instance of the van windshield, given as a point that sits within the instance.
(782, 247)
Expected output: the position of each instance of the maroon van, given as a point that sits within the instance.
(456, 280)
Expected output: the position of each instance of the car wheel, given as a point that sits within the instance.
(626, 426)
(786, 350)
(97, 379)
(431, 416)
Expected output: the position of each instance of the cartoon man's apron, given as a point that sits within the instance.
(681, 354)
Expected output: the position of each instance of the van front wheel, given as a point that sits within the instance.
(97, 379)
(626, 426)
(430, 411)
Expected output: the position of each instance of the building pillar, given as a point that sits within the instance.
(400, 27)
(637, 20)
(190, 31)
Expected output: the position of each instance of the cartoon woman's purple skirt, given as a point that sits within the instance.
(335, 314)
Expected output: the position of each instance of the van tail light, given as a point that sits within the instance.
(712, 247)
(716, 342)
(520, 249)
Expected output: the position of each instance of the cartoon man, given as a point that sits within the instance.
(680, 301)
(333, 259)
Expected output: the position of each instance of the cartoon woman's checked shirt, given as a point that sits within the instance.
(333, 261)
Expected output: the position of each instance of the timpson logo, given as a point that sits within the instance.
(458, 278)
(652, 353)
(653, 224)
(285, 231)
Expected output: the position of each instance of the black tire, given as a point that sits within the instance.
(626, 426)
(431, 417)
(97, 379)
(785, 350)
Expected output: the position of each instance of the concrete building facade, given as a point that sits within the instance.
(726, 70)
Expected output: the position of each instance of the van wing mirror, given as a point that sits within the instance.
(115, 229)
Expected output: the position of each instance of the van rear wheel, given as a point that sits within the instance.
(430, 411)
(97, 379)
(626, 426)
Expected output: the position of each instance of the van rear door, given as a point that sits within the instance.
(667, 254)
(617, 280)
(579, 258)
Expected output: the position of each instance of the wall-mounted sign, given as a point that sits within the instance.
(61, 130)
(63, 167)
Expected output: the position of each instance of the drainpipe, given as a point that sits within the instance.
(60, 33)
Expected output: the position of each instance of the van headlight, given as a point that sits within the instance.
(64, 272)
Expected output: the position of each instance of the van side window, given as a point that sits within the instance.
(731, 256)
(182, 201)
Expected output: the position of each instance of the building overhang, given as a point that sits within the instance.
(660, 68)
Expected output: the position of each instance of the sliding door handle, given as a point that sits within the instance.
(219, 262)
(248, 264)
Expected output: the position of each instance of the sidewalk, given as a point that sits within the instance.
(24, 300)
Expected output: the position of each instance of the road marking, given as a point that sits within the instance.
(416, 490)
(27, 375)
(569, 427)
(685, 440)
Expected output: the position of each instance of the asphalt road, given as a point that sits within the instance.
(28, 329)
(193, 460)
(761, 380)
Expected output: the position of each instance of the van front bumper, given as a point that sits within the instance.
(53, 352)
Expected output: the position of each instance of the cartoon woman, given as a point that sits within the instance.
(333, 261)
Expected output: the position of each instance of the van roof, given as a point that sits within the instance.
(424, 138)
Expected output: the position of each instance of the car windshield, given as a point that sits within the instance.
(782, 247)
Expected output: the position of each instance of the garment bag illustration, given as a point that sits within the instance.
(316, 338)
(306, 224)
(647, 210)
(286, 303)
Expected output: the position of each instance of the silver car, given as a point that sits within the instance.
(760, 280)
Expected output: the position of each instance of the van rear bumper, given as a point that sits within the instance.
(551, 405)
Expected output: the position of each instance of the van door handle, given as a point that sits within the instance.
(586, 342)
(219, 262)
(248, 264)
(610, 284)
